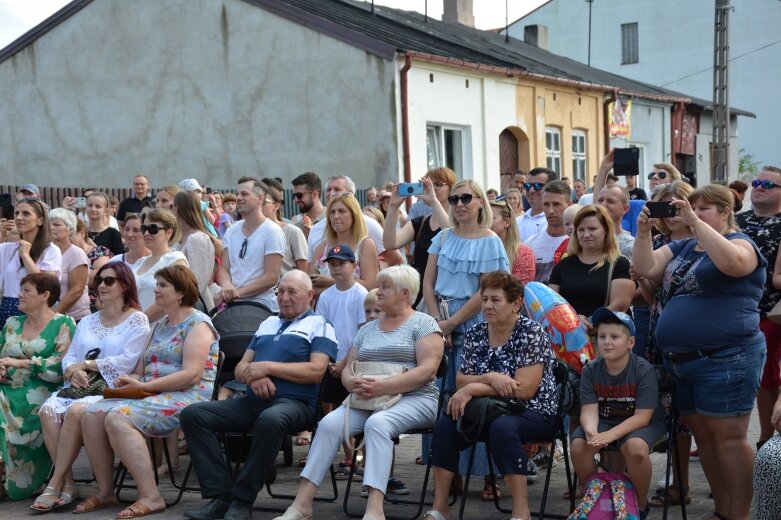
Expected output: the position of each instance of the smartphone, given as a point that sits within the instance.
(661, 209)
(81, 202)
(626, 161)
(208, 189)
(6, 206)
(407, 189)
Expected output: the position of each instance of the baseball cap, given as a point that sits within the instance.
(341, 252)
(190, 185)
(603, 312)
(32, 188)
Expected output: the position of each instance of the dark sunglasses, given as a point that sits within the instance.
(536, 185)
(108, 280)
(152, 228)
(768, 185)
(661, 175)
(465, 199)
(300, 195)
(243, 250)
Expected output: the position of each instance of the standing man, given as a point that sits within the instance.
(615, 199)
(135, 204)
(555, 199)
(252, 252)
(533, 219)
(635, 193)
(282, 368)
(579, 188)
(307, 189)
(763, 225)
(519, 179)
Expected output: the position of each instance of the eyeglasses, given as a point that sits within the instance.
(767, 185)
(300, 195)
(152, 228)
(345, 194)
(536, 185)
(243, 250)
(661, 175)
(465, 199)
(439, 184)
(108, 280)
(30, 199)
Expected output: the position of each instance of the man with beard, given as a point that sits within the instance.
(307, 188)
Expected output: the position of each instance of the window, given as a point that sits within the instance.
(553, 149)
(446, 146)
(578, 155)
(629, 45)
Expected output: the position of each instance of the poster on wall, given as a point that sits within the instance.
(620, 112)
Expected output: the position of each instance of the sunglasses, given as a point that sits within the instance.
(465, 199)
(768, 185)
(536, 185)
(108, 280)
(243, 250)
(661, 175)
(152, 228)
(300, 195)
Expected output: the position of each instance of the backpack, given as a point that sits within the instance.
(608, 496)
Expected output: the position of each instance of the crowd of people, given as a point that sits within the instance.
(106, 340)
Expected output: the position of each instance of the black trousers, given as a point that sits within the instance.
(269, 421)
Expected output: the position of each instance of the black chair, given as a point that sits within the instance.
(561, 373)
(421, 501)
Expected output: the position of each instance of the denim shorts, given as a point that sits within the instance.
(723, 384)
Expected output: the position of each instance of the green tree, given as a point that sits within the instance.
(747, 165)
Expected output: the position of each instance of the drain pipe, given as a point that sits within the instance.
(405, 121)
(606, 109)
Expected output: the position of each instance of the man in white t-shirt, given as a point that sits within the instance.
(344, 184)
(252, 256)
(533, 219)
(556, 197)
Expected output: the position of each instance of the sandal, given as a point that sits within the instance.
(673, 498)
(304, 439)
(434, 515)
(491, 491)
(92, 503)
(68, 495)
(137, 510)
(419, 461)
(48, 503)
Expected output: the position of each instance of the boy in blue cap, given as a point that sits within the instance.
(619, 394)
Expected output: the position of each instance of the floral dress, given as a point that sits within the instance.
(158, 415)
(27, 462)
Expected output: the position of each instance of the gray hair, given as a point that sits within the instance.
(66, 217)
(300, 278)
(402, 277)
(347, 180)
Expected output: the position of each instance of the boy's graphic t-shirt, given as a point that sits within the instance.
(618, 396)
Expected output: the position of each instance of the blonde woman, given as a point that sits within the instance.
(520, 256)
(514, 198)
(99, 230)
(345, 225)
(164, 198)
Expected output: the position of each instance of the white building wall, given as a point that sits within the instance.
(212, 89)
(676, 52)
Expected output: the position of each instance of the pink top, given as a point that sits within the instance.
(72, 258)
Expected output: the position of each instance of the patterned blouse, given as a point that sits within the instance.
(528, 345)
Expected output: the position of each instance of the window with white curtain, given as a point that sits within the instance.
(578, 155)
(553, 148)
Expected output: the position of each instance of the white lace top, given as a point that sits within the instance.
(120, 347)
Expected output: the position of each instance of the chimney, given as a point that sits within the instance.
(459, 11)
(536, 35)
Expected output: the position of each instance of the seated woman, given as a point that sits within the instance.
(31, 347)
(404, 336)
(116, 334)
(179, 367)
(508, 356)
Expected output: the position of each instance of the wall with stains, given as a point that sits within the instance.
(193, 88)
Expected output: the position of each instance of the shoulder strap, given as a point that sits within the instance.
(423, 222)
(677, 277)
(610, 269)
(445, 232)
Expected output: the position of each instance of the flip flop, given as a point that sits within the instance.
(49, 503)
(93, 503)
(138, 510)
(434, 515)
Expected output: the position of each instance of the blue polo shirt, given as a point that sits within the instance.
(292, 341)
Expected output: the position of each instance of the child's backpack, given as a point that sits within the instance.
(608, 496)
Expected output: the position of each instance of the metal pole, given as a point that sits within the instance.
(721, 112)
(506, 23)
(590, 2)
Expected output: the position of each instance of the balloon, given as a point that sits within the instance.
(569, 338)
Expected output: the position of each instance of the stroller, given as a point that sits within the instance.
(237, 324)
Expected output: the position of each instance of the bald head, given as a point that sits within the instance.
(298, 278)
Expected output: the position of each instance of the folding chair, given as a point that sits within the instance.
(421, 501)
(560, 371)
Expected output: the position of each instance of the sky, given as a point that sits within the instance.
(19, 16)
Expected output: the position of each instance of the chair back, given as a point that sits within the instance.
(237, 324)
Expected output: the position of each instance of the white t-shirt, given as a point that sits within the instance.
(543, 245)
(146, 282)
(345, 311)
(316, 235)
(268, 239)
(586, 199)
(13, 272)
(295, 247)
(529, 224)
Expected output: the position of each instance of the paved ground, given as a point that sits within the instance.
(406, 469)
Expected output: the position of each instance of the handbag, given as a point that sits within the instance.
(126, 393)
(95, 382)
(480, 412)
(375, 370)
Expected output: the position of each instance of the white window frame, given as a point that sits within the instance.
(449, 145)
(553, 148)
(579, 155)
(630, 43)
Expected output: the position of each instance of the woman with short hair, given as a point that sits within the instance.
(74, 296)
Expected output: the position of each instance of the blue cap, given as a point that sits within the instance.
(341, 252)
(32, 188)
(603, 312)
